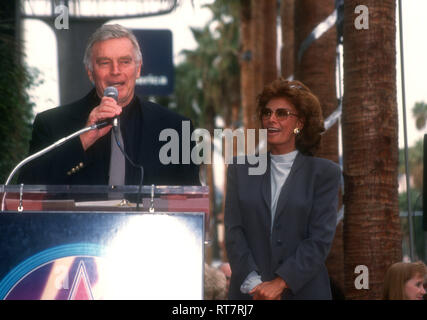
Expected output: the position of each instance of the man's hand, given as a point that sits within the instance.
(269, 290)
(108, 108)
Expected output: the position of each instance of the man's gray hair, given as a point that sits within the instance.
(107, 32)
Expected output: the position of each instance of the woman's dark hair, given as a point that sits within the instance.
(307, 106)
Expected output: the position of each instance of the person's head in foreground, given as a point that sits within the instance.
(405, 281)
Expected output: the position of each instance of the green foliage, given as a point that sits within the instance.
(15, 105)
(415, 163)
(415, 156)
(418, 236)
(207, 82)
(419, 111)
(415, 153)
(416, 200)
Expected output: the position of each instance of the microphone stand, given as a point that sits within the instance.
(46, 150)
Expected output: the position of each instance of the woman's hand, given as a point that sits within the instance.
(269, 290)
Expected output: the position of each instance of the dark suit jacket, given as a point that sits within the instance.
(142, 122)
(303, 227)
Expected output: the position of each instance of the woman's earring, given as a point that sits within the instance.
(297, 131)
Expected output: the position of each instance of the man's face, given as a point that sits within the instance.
(114, 65)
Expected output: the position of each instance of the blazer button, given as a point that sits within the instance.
(279, 242)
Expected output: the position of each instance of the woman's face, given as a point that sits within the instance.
(280, 118)
(414, 288)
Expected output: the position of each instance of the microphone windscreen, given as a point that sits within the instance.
(111, 92)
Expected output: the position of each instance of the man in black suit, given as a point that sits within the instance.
(112, 59)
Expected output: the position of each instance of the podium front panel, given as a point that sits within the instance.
(101, 255)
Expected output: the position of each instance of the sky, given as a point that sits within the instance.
(415, 65)
(40, 47)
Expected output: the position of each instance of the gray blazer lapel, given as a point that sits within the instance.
(287, 187)
(266, 185)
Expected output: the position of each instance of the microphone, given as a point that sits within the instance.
(112, 93)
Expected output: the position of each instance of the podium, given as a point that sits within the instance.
(101, 242)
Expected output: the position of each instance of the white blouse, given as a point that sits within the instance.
(281, 165)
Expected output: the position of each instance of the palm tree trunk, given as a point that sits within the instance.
(269, 58)
(317, 66)
(257, 47)
(247, 67)
(317, 70)
(258, 60)
(287, 11)
(371, 222)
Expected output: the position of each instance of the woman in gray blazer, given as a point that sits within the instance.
(280, 225)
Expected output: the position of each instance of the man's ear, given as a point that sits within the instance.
(138, 70)
(90, 75)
